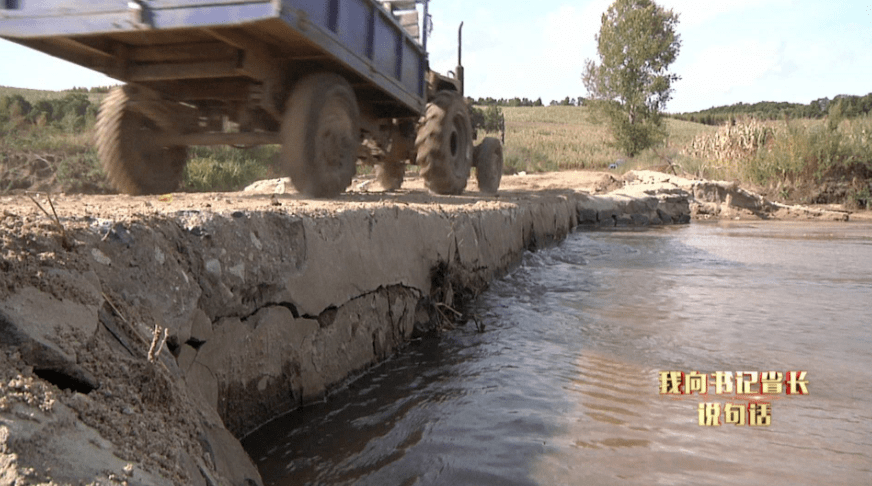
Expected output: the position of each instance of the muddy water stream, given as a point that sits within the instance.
(562, 387)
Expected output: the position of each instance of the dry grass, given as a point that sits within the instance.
(789, 151)
(554, 138)
(541, 139)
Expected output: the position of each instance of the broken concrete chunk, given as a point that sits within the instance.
(213, 267)
(201, 328)
(100, 257)
(186, 358)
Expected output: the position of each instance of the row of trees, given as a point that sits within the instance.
(510, 102)
(526, 102)
(72, 112)
(842, 105)
(93, 90)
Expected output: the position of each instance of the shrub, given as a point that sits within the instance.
(490, 119)
(14, 106)
(494, 121)
(72, 113)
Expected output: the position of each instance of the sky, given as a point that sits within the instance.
(732, 50)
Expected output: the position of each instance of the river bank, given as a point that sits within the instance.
(148, 334)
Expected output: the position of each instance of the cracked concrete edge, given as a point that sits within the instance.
(262, 372)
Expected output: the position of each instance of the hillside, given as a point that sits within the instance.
(842, 105)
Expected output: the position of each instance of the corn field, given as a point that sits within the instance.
(732, 142)
(790, 151)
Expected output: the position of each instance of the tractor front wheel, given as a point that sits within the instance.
(488, 161)
(444, 144)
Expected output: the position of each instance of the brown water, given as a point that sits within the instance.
(562, 387)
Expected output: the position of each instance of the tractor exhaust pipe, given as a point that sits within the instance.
(426, 24)
(459, 70)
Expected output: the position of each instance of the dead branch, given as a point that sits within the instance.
(65, 242)
(158, 338)
(459, 315)
(671, 165)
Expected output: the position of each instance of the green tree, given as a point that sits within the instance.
(493, 119)
(490, 119)
(631, 85)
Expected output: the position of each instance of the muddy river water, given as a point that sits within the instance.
(563, 384)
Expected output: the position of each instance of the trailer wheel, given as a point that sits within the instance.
(444, 144)
(321, 135)
(488, 161)
(390, 174)
(134, 164)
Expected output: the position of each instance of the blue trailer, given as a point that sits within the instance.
(332, 81)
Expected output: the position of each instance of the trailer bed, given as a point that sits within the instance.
(209, 49)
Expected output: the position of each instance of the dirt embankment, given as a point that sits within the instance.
(143, 335)
(728, 200)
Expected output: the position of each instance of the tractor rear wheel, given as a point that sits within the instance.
(127, 124)
(444, 144)
(321, 134)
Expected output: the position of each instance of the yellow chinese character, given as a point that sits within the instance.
(796, 379)
(744, 380)
(671, 382)
(723, 382)
(695, 382)
(760, 415)
(770, 383)
(734, 414)
(709, 414)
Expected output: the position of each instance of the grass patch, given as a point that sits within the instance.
(22, 137)
(82, 173)
(223, 168)
(555, 138)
